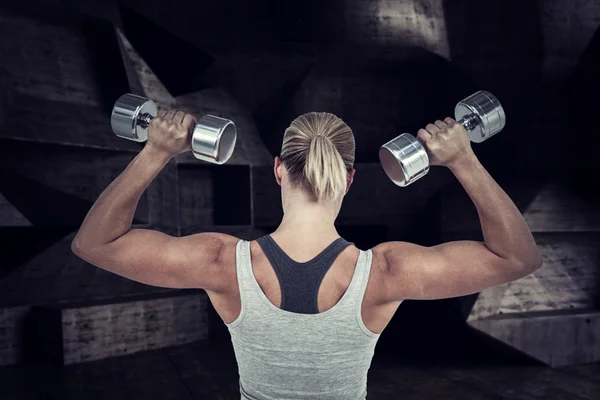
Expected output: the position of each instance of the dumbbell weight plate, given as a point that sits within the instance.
(214, 139)
(125, 114)
(404, 159)
(488, 112)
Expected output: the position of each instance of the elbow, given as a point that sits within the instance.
(77, 247)
(537, 261)
(84, 249)
(531, 264)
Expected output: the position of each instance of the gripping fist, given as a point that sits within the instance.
(171, 132)
(445, 142)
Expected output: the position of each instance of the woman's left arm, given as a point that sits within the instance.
(107, 241)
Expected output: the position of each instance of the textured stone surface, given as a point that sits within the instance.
(418, 23)
(569, 337)
(163, 200)
(567, 27)
(45, 60)
(196, 207)
(405, 22)
(547, 206)
(551, 314)
(11, 341)
(93, 332)
(83, 174)
(74, 125)
(527, 382)
(569, 279)
(152, 42)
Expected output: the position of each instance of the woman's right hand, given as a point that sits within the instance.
(446, 142)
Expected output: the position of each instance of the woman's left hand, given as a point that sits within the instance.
(171, 132)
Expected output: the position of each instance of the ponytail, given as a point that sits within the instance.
(318, 151)
(325, 170)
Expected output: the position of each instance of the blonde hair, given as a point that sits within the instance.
(318, 153)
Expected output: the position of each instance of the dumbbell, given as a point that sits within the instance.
(404, 158)
(213, 139)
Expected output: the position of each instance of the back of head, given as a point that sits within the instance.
(318, 152)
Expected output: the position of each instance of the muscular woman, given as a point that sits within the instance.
(304, 307)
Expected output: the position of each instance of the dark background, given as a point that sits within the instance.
(385, 67)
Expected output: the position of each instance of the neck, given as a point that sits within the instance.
(309, 221)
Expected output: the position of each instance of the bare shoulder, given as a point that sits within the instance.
(228, 244)
(394, 261)
(394, 254)
(222, 270)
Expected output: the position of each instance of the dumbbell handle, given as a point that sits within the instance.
(469, 122)
(144, 120)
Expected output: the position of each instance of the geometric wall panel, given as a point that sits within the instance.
(582, 102)
(153, 42)
(33, 199)
(48, 60)
(10, 216)
(73, 179)
(196, 206)
(52, 273)
(269, 113)
(85, 331)
(47, 121)
(567, 29)
(11, 338)
(6, 95)
(256, 76)
(547, 206)
(553, 314)
(125, 50)
(569, 279)
(18, 245)
(163, 200)
(554, 338)
(232, 195)
(142, 80)
(104, 52)
(557, 208)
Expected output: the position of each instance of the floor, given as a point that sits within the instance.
(203, 370)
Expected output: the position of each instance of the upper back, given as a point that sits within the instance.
(341, 271)
(319, 353)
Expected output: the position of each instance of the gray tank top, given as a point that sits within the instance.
(295, 352)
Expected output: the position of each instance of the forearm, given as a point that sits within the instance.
(504, 229)
(112, 214)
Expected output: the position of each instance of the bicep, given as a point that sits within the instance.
(157, 259)
(447, 270)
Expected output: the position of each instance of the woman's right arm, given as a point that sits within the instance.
(458, 268)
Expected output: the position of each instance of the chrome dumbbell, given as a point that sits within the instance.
(213, 139)
(404, 158)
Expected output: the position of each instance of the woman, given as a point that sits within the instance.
(304, 307)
